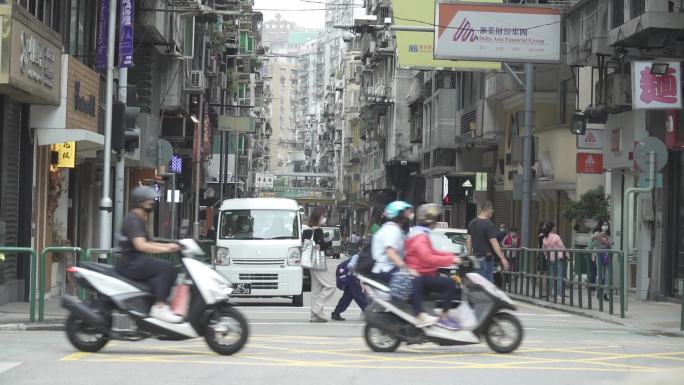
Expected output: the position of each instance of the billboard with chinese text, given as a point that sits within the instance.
(652, 90)
(497, 32)
(415, 49)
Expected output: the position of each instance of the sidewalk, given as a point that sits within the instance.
(647, 316)
(15, 316)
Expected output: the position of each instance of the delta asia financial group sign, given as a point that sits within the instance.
(497, 32)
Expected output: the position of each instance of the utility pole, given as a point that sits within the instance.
(198, 166)
(120, 171)
(527, 154)
(105, 238)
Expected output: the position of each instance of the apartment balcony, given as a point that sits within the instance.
(501, 85)
(586, 28)
(647, 24)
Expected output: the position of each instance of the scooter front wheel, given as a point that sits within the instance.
(226, 331)
(504, 333)
(379, 341)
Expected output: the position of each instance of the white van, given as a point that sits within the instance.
(258, 247)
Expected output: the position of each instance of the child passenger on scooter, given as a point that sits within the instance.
(425, 260)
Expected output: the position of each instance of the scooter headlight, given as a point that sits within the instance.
(222, 257)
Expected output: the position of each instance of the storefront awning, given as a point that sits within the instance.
(87, 140)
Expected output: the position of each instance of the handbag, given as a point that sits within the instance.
(319, 261)
(401, 286)
(308, 253)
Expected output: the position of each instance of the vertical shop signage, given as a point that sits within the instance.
(126, 34)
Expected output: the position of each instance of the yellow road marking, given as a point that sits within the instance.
(75, 356)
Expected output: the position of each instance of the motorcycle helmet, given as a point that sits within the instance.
(141, 194)
(428, 213)
(394, 209)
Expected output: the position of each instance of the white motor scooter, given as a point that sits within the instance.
(389, 323)
(119, 309)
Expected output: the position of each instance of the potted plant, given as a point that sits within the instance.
(591, 208)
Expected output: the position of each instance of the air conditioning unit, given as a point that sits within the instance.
(213, 66)
(195, 82)
(215, 95)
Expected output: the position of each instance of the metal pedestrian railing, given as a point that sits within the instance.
(32, 279)
(569, 277)
(38, 267)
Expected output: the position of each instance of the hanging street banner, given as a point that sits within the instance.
(102, 36)
(656, 85)
(126, 34)
(497, 32)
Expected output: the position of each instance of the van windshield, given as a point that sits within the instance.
(259, 224)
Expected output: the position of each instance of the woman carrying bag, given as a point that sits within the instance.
(322, 283)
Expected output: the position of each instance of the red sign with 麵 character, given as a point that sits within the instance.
(589, 163)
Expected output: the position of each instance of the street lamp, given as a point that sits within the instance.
(578, 126)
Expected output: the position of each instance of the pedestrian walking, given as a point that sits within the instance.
(600, 261)
(557, 265)
(351, 288)
(542, 258)
(354, 238)
(322, 285)
(482, 241)
(512, 241)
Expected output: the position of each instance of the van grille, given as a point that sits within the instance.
(258, 277)
(265, 285)
(254, 261)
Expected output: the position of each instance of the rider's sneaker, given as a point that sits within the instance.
(448, 323)
(165, 314)
(425, 320)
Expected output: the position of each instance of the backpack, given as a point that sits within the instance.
(365, 263)
(342, 274)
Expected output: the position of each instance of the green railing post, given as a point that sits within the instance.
(43, 274)
(622, 256)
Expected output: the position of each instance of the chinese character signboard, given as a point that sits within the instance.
(66, 154)
(415, 50)
(592, 139)
(242, 124)
(126, 34)
(589, 163)
(497, 32)
(263, 180)
(651, 91)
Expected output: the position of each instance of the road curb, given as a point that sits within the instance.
(47, 325)
(594, 316)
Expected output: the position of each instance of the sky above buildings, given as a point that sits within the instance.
(305, 14)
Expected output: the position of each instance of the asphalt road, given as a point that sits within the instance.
(285, 349)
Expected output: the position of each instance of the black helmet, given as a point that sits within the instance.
(141, 194)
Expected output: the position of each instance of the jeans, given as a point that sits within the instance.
(352, 291)
(557, 269)
(429, 284)
(487, 268)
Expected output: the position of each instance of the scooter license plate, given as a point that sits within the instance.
(243, 288)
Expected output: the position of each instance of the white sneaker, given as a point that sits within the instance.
(165, 314)
(425, 320)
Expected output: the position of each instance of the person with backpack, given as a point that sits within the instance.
(351, 287)
(322, 288)
(424, 259)
(387, 245)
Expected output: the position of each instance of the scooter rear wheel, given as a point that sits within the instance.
(226, 331)
(379, 341)
(84, 337)
(504, 333)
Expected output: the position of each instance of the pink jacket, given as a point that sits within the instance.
(422, 257)
(554, 242)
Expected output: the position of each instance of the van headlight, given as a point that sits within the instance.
(222, 257)
(294, 256)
